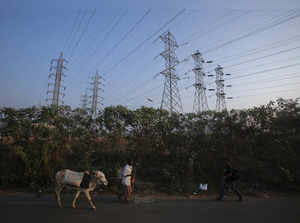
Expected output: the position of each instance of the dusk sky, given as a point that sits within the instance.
(256, 41)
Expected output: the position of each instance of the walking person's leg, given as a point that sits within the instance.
(121, 192)
(236, 191)
(129, 193)
(222, 190)
(125, 193)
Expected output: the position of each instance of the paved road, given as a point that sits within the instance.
(27, 208)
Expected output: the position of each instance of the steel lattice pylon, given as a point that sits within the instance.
(200, 99)
(171, 98)
(55, 88)
(84, 101)
(220, 103)
(96, 86)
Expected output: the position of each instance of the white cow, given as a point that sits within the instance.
(72, 179)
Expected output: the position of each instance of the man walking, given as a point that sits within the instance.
(229, 181)
(127, 179)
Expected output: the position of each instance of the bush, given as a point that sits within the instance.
(173, 152)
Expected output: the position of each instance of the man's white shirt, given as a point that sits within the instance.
(127, 170)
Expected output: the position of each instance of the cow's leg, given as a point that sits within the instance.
(58, 190)
(87, 194)
(75, 198)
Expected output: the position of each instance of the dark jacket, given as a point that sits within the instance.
(85, 181)
(230, 174)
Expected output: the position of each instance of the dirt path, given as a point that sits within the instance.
(28, 208)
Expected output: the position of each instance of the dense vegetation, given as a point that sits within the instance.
(173, 152)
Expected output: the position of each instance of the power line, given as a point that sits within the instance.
(269, 80)
(156, 87)
(214, 28)
(259, 58)
(261, 49)
(83, 32)
(215, 23)
(264, 71)
(243, 96)
(254, 32)
(103, 39)
(76, 30)
(72, 30)
(273, 19)
(114, 26)
(262, 57)
(109, 70)
(263, 88)
(260, 72)
(289, 14)
(146, 92)
(124, 37)
(147, 39)
(270, 87)
(148, 81)
(218, 19)
(141, 85)
(142, 94)
(275, 80)
(264, 64)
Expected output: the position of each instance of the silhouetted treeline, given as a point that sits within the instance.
(173, 151)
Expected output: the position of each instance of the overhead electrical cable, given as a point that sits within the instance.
(255, 32)
(262, 57)
(77, 29)
(123, 37)
(214, 28)
(72, 30)
(256, 50)
(83, 32)
(110, 69)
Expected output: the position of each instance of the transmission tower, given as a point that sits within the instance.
(84, 101)
(200, 99)
(220, 103)
(96, 86)
(55, 87)
(171, 98)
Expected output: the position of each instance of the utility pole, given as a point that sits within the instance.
(96, 86)
(171, 98)
(55, 87)
(200, 99)
(220, 103)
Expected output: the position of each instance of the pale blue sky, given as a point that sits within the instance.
(34, 32)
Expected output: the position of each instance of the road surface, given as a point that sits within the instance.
(29, 208)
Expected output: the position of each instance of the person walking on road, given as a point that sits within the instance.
(229, 181)
(127, 180)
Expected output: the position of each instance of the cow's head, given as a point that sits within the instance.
(100, 176)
